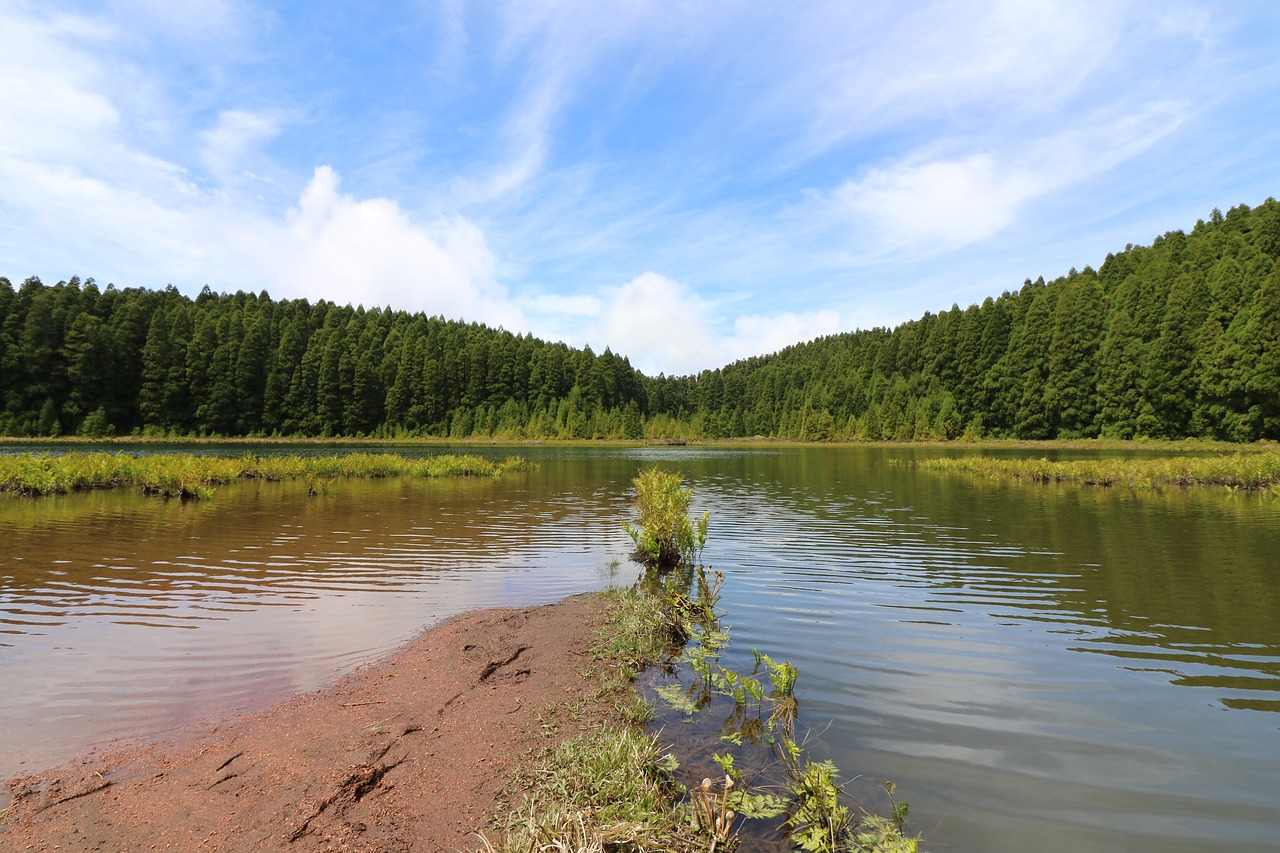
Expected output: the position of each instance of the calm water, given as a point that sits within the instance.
(1057, 668)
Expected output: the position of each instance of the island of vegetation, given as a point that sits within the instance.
(187, 475)
(1256, 471)
(1177, 339)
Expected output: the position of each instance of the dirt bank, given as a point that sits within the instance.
(408, 753)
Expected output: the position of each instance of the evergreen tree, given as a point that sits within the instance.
(1070, 392)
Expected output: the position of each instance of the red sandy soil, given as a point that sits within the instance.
(408, 753)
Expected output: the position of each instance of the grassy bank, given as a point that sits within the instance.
(1256, 470)
(616, 789)
(193, 476)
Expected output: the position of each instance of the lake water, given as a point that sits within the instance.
(1058, 668)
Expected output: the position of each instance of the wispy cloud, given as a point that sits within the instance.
(942, 204)
(233, 145)
(685, 184)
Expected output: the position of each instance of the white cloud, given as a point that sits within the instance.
(48, 104)
(937, 204)
(662, 326)
(333, 246)
(658, 323)
(999, 61)
(759, 335)
(232, 145)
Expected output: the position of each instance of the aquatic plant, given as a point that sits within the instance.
(186, 475)
(763, 712)
(664, 535)
(617, 790)
(1253, 471)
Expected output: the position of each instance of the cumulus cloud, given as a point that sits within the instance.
(334, 246)
(658, 322)
(663, 326)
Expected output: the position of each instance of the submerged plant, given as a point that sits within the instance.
(799, 789)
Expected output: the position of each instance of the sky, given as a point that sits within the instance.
(685, 183)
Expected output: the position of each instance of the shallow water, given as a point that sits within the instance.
(1034, 666)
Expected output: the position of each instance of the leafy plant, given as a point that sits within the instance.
(818, 821)
(817, 817)
(663, 533)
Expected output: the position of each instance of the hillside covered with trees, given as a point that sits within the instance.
(1179, 338)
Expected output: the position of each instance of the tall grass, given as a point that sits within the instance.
(194, 476)
(1250, 471)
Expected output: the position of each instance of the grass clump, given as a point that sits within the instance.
(611, 790)
(1253, 471)
(186, 475)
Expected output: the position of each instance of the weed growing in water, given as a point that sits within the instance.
(664, 535)
(1254, 470)
(615, 790)
(764, 708)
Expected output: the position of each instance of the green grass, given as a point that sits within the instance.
(194, 476)
(1252, 471)
(612, 788)
(615, 789)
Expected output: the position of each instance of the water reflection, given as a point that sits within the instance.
(126, 615)
(939, 623)
(1035, 666)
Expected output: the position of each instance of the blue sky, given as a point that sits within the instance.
(686, 183)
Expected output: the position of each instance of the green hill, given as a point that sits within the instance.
(1179, 338)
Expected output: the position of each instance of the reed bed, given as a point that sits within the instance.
(194, 476)
(1250, 471)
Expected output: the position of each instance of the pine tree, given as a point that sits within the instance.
(1262, 383)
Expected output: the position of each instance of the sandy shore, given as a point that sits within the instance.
(406, 753)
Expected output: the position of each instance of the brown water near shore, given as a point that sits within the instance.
(407, 754)
(124, 616)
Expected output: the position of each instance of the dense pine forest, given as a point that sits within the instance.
(1179, 338)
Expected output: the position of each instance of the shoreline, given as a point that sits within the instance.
(1181, 445)
(408, 752)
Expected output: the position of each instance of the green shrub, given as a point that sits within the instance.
(665, 537)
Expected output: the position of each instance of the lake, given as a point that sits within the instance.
(1064, 668)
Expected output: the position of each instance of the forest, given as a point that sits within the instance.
(1177, 339)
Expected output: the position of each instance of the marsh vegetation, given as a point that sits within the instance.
(189, 475)
(1259, 470)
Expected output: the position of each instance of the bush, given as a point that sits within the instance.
(665, 537)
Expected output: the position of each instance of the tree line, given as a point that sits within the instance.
(1179, 338)
(77, 358)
